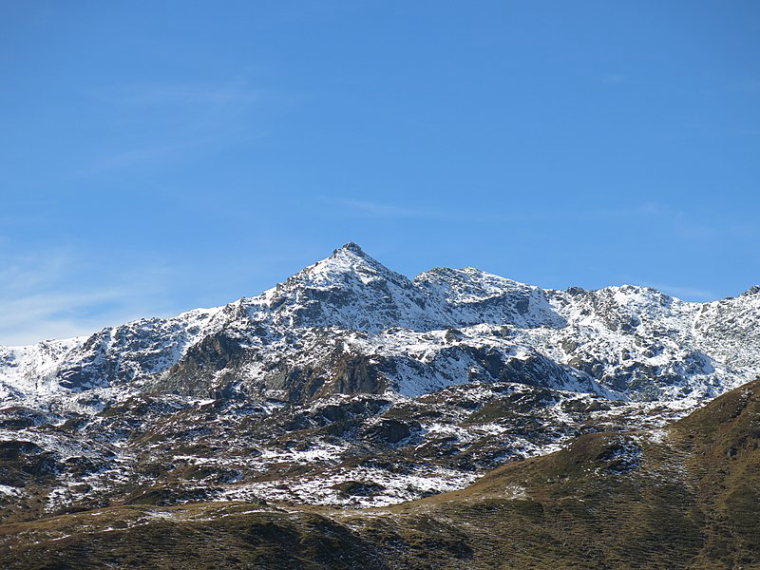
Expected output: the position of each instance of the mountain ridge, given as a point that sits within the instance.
(350, 384)
(354, 292)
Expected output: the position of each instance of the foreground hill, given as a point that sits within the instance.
(685, 496)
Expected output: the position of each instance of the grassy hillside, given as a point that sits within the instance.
(686, 497)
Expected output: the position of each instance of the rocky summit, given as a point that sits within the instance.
(352, 388)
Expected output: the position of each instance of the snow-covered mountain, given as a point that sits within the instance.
(444, 327)
(352, 374)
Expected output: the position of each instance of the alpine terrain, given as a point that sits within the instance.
(353, 417)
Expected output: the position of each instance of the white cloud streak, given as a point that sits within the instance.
(374, 209)
(236, 92)
(679, 223)
(681, 292)
(41, 298)
(182, 118)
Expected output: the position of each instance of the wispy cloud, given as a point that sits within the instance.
(232, 93)
(375, 209)
(384, 210)
(671, 223)
(745, 132)
(176, 120)
(613, 78)
(170, 150)
(748, 84)
(690, 227)
(41, 297)
(685, 293)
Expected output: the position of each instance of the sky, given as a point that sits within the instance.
(161, 156)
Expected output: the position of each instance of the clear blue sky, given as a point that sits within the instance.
(159, 156)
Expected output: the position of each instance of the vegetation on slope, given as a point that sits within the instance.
(686, 497)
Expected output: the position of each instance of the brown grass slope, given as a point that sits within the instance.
(688, 497)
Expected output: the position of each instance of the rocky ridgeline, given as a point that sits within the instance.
(348, 324)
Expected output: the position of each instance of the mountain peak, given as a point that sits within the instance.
(351, 247)
(754, 290)
(351, 256)
(347, 262)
